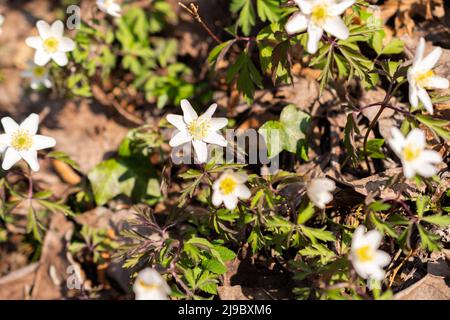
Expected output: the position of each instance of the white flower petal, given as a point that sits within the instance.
(10, 158)
(419, 51)
(437, 83)
(47, 83)
(397, 141)
(336, 27)
(373, 238)
(358, 236)
(4, 140)
(339, 8)
(217, 198)
(177, 121)
(430, 156)
(30, 156)
(57, 29)
(31, 123)
(425, 170)
(431, 60)
(9, 125)
(377, 274)
(230, 201)
(417, 138)
(44, 29)
(201, 150)
(218, 123)
(41, 58)
(314, 36)
(426, 100)
(382, 258)
(408, 170)
(242, 192)
(240, 177)
(43, 142)
(179, 139)
(189, 113)
(215, 138)
(60, 58)
(34, 42)
(360, 269)
(66, 44)
(306, 6)
(35, 84)
(296, 23)
(413, 96)
(209, 112)
(149, 285)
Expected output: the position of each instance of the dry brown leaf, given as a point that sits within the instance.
(428, 288)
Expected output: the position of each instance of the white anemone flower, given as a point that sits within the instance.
(229, 188)
(110, 7)
(319, 191)
(22, 142)
(50, 44)
(149, 285)
(315, 16)
(200, 130)
(367, 260)
(411, 151)
(422, 77)
(38, 75)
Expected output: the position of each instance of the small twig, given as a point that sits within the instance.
(193, 11)
(366, 136)
(397, 269)
(181, 283)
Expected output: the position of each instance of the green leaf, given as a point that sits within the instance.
(374, 148)
(382, 226)
(247, 16)
(436, 125)
(225, 253)
(132, 176)
(421, 204)
(306, 213)
(288, 133)
(393, 47)
(314, 234)
(214, 266)
(439, 220)
(429, 240)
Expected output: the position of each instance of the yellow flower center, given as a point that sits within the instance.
(51, 44)
(411, 152)
(39, 72)
(198, 129)
(21, 140)
(148, 286)
(227, 185)
(319, 14)
(365, 254)
(422, 78)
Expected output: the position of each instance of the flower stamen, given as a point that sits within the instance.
(411, 152)
(319, 14)
(198, 129)
(51, 44)
(39, 72)
(423, 77)
(227, 185)
(21, 140)
(365, 254)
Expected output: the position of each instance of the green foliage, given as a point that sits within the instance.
(129, 173)
(289, 133)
